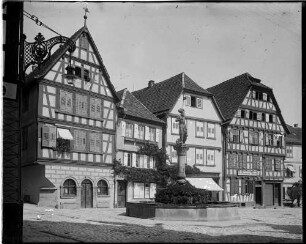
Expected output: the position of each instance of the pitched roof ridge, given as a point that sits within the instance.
(229, 80)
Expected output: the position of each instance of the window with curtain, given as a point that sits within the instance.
(199, 155)
(210, 157)
(199, 129)
(211, 130)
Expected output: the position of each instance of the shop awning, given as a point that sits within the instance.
(205, 183)
(291, 168)
(64, 134)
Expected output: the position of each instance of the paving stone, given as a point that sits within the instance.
(111, 225)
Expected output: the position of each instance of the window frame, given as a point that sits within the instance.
(102, 188)
(289, 155)
(69, 186)
(174, 126)
(251, 138)
(202, 134)
(207, 156)
(214, 129)
(128, 130)
(200, 161)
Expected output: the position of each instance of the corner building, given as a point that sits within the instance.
(69, 129)
(254, 141)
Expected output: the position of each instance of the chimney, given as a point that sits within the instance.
(295, 125)
(151, 83)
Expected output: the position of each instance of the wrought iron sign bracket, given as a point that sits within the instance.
(39, 51)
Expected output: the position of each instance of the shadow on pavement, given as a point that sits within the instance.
(292, 229)
(102, 231)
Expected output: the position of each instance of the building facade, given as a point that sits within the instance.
(254, 141)
(293, 161)
(69, 129)
(136, 127)
(203, 120)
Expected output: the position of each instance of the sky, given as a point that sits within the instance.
(210, 42)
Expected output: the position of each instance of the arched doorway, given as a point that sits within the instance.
(86, 194)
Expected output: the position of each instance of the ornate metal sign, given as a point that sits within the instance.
(39, 51)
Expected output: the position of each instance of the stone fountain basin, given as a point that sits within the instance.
(218, 211)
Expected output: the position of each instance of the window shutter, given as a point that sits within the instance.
(264, 95)
(231, 136)
(188, 100)
(45, 136)
(98, 109)
(239, 113)
(274, 140)
(92, 108)
(242, 186)
(152, 190)
(98, 142)
(244, 159)
(199, 102)
(232, 186)
(133, 159)
(283, 141)
(157, 135)
(240, 135)
(69, 102)
(52, 136)
(145, 161)
(240, 161)
(125, 158)
(259, 117)
(76, 139)
(254, 94)
(247, 114)
(123, 126)
(261, 138)
(147, 136)
(92, 142)
(136, 132)
(151, 162)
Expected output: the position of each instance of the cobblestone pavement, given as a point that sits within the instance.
(111, 225)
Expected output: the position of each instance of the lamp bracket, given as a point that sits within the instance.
(39, 51)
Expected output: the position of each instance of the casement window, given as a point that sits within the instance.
(25, 138)
(211, 130)
(260, 97)
(268, 98)
(144, 190)
(129, 129)
(48, 136)
(173, 155)
(152, 134)
(95, 142)
(234, 136)
(86, 75)
(78, 73)
(289, 153)
(255, 162)
(277, 164)
(264, 96)
(141, 132)
(268, 164)
(253, 138)
(128, 159)
(193, 101)
(233, 161)
(95, 108)
(69, 188)
(252, 115)
(84, 42)
(242, 161)
(271, 118)
(269, 139)
(199, 156)
(242, 114)
(65, 104)
(102, 188)
(174, 126)
(80, 140)
(210, 157)
(278, 140)
(81, 105)
(199, 129)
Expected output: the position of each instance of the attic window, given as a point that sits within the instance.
(84, 42)
(86, 75)
(193, 101)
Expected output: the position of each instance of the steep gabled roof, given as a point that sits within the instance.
(295, 136)
(46, 66)
(162, 96)
(231, 93)
(134, 108)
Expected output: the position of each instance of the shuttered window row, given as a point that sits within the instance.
(81, 104)
(82, 140)
(141, 132)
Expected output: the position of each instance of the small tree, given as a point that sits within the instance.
(296, 192)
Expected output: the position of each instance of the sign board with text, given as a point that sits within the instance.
(248, 172)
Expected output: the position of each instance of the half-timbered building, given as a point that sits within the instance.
(293, 161)
(69, 129)
(203, 120)
(254, 142)
(136, 127)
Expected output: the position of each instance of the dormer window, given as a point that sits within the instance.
(193, 101)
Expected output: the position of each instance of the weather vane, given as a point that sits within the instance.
(85, 16)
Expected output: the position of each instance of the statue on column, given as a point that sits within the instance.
(182, 126)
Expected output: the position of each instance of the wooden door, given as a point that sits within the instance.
(268, 195)
(258, 199)
(277, 194)
(86, 194)
(121, 193)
